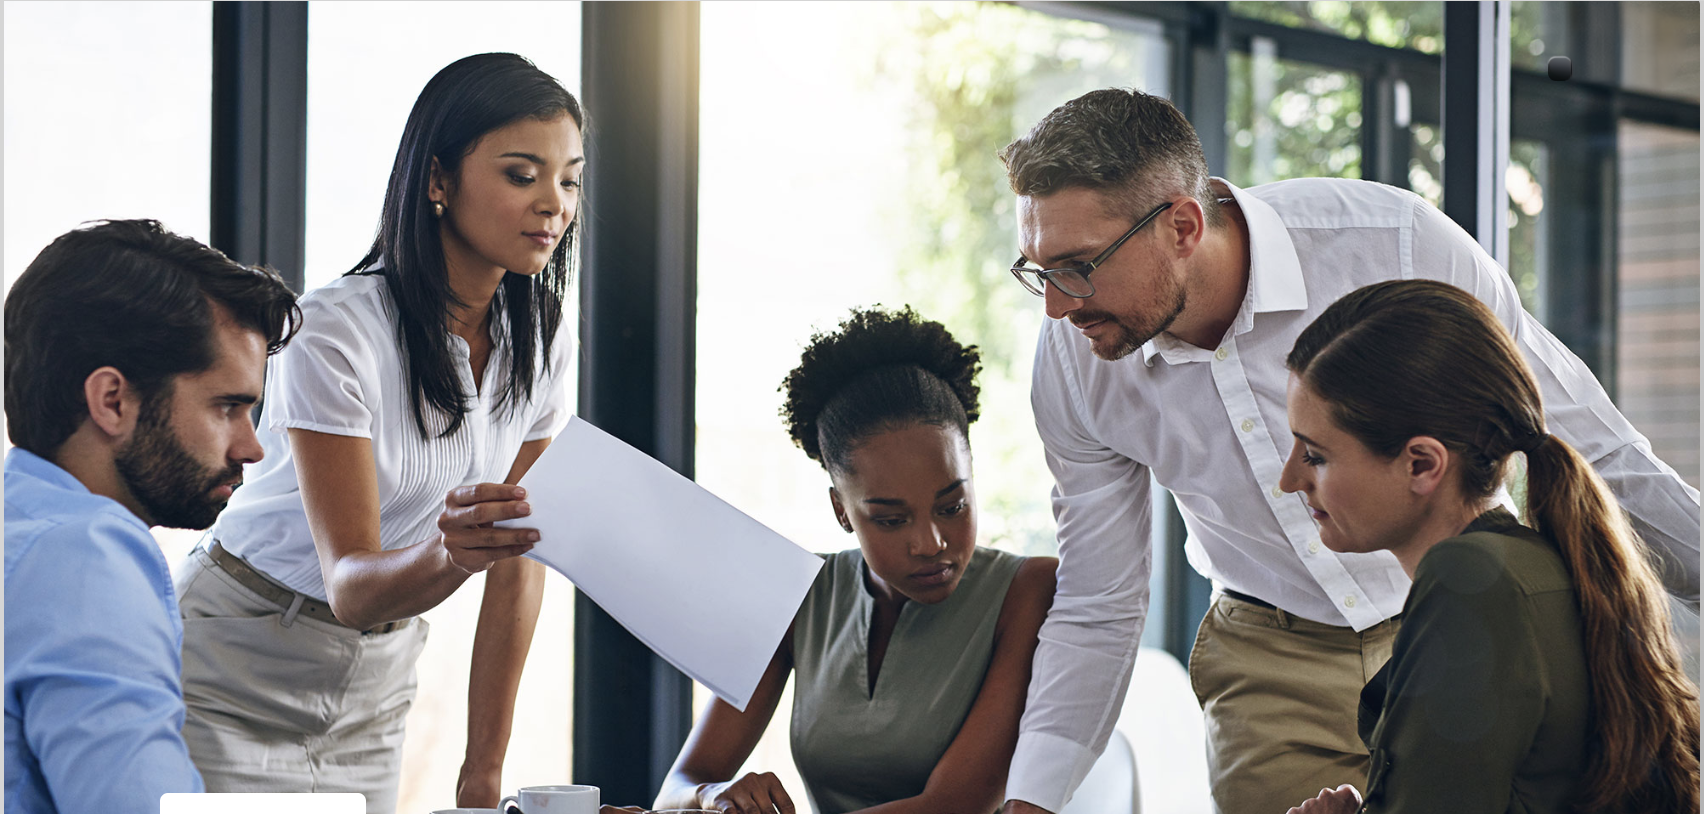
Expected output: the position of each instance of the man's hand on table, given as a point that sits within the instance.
(1021, 807)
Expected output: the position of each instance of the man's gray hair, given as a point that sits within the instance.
(1135, 147)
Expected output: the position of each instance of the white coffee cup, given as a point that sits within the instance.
(554, 800)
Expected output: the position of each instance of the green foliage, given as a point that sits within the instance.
(1310, 124)
(978, 76)
(1414, 25)
(981, 75)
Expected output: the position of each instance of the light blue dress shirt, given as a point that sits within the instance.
(94, 701)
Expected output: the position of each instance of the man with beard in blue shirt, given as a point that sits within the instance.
(134, 357)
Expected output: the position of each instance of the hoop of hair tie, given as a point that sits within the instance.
(1533, 441)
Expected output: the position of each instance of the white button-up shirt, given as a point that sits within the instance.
(344, 374)
(1210, 425)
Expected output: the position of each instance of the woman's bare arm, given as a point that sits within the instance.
(367, 586)
(508, 615)
(722, 740)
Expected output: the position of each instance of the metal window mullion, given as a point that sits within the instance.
(258, 202)
(632, 710)
(1476, 120)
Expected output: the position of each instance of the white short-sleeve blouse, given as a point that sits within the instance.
(343, 374)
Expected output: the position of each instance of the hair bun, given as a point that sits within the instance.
(866, 341)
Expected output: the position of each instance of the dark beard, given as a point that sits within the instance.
(1130, 340)
(170, 485)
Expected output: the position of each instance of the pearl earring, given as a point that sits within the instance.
(438, 209)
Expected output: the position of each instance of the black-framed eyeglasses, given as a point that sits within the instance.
(1074, 280)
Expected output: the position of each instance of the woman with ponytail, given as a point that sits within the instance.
(1535, 670)
(912, 651)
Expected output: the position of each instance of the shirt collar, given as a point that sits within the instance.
(1275, 280)
(20, 461)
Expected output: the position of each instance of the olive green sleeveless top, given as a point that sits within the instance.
(856, 748)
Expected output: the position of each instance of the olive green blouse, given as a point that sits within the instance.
(1484, 705)
(857, 746)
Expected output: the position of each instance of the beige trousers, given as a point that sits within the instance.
(277, 703)
(1280, 696)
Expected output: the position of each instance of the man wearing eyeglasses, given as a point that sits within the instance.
(1173, 299)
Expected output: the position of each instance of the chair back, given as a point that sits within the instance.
(1162, 720)
(1110, 786)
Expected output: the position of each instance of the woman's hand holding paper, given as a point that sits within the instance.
(469, 539)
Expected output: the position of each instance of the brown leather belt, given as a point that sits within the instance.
(251, 578)
(1242, 597)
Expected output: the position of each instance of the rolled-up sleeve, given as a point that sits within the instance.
(93, 663)
(1664, 510)
(1088, 643)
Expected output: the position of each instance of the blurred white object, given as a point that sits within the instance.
(1158, 749)
(1110, 786)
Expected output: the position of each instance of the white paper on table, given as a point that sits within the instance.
(698, 581)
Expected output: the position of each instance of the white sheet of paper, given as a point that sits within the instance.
(704, 585)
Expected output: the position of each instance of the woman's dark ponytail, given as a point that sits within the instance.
(1646, 709)
(1407, 358)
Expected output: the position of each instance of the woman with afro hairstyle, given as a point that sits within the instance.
(913, 650)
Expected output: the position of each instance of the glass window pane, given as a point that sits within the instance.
(1426, 163)
(1659, 48)
(1529, 227)
(889, 193)
(107, 115)
(360, 89)
(1657, 302)
(1527, 179)
(1290, 119)
(1396, 24)
(1657, 333)
(1538, 31)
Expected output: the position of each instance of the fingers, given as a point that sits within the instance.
(481, 537)
(754, 794)
(469, 538)
(483, 493)
(480, 514)
(777, 794)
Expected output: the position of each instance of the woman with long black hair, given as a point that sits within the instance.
(1536, 669)
(422, 386)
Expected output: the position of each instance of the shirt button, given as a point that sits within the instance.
(1349, 601)
(1220, 354)
(1313, 547)
(1277, 492)
(1248, 425)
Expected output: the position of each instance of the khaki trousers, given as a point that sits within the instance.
(284, 703)
(1280, 696)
